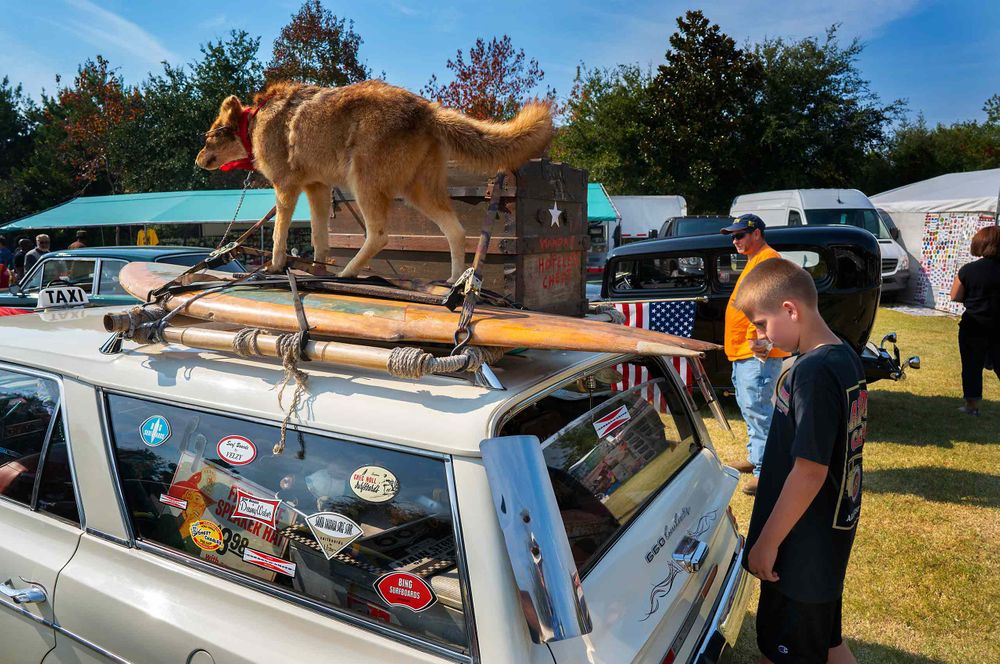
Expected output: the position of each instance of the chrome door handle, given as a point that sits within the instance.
(691, 553)
(29, 595)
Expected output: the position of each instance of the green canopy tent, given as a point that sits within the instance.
(215, 207)
(599, 206)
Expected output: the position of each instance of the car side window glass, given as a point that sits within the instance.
(794, 218)
(31, 435)
(729, 267)
(677, 273)
(810, 261)
(359, 528)
(63, 272)
(107, 283)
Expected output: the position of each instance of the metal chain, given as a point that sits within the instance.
(243, 195)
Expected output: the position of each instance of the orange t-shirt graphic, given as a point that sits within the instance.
(739, 330)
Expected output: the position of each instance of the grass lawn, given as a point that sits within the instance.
(924, 579)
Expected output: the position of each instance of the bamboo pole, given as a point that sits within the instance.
(352, 355)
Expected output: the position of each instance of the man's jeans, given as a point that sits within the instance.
(754, 382)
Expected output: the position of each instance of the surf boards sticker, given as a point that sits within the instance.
(406, 590)
(374, 484)
(611, 422)
(154, 431)
(236, 450)
(333, 531)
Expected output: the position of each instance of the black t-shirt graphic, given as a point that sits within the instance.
(821, 414)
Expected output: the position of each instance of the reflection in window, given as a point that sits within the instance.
(660, 273)
(730, 266)
(611, 441)
(108, 283)
(359, 528)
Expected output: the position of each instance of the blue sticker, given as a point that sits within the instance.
(155, 431)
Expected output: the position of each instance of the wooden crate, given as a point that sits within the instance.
(531, 260)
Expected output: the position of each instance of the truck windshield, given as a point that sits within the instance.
(612, 440)
(866, 218)
(706, 226)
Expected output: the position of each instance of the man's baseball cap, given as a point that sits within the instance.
(744, 222)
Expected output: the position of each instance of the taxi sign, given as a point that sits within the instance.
(62, 296)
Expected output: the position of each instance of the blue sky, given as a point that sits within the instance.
(939, 55)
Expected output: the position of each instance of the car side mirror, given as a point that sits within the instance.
(551, 594)
(894, 233)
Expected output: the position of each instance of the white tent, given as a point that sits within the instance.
(937, 219)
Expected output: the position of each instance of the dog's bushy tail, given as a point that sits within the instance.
(489, 146)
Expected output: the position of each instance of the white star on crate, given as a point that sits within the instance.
(555, 212)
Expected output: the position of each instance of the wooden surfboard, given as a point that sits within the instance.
(348, 316)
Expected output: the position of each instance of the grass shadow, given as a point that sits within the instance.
(940, 485)
(912, 419)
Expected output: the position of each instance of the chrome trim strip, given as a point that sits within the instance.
(111, 538)
(104, 417)
(24, 612)
(90, 644)
(333, 612)
(463, 565)
(58, 379)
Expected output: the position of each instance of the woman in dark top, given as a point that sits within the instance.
(977, 286)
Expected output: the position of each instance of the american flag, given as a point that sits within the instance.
(675, 318)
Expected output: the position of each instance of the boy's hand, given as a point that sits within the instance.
(761, 348)
(761, 561)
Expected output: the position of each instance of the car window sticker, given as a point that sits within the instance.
(374, 484)
(155, 430)
(236, 450)
(333, 531)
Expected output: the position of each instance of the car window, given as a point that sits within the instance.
(794, 218)
(190, 260)
(866, 218)
(63, 271)
(730, 266)
(676, 273)
(611, 440)
(358, 528)
(32, 436)
(107, 282)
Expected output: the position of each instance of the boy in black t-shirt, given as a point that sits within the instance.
(809, 494)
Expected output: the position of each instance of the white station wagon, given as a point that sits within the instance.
(580, 514)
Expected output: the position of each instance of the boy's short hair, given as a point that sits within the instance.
(772, 282)
(986, 242)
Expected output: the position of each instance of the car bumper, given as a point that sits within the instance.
(894, 282)
(724, 628)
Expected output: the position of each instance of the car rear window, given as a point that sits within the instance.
(612, 440)
(660, 273)
(189, 260)
(357, 527)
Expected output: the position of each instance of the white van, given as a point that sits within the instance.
(798, 207)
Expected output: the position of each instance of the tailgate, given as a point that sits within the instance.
(644, 605)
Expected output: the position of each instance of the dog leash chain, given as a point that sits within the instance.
(243, 195)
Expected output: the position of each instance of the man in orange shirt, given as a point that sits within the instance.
(756, 363)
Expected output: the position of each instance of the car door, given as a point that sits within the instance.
(55, 270)
(39, 517)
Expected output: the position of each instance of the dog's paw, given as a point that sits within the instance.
(274, 268)
(347, 274)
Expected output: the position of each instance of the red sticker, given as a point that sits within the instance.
(251, 507)
(406, 590)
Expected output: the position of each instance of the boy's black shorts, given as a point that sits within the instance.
(799, 632)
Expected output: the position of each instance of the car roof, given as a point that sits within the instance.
(436, 413)
(819, 235)
(127, 253)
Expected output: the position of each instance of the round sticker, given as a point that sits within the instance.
(237, 450)
(206, 535)
(154, 431)
(855, 482)
(374, 484)
(406, 590)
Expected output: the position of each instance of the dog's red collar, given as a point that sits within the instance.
(243, 132)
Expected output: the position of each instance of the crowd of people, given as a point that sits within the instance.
(17, 262)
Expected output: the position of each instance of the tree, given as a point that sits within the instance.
(492, 85)
(317, 47)
(700, 106)
(16, 137)
(816, 118)
(605, 125)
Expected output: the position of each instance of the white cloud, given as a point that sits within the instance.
(105, 29)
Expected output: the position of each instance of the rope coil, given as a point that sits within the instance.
(408, 362)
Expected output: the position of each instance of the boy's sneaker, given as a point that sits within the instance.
(969, 411)
(750, 488)
(744, 467)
